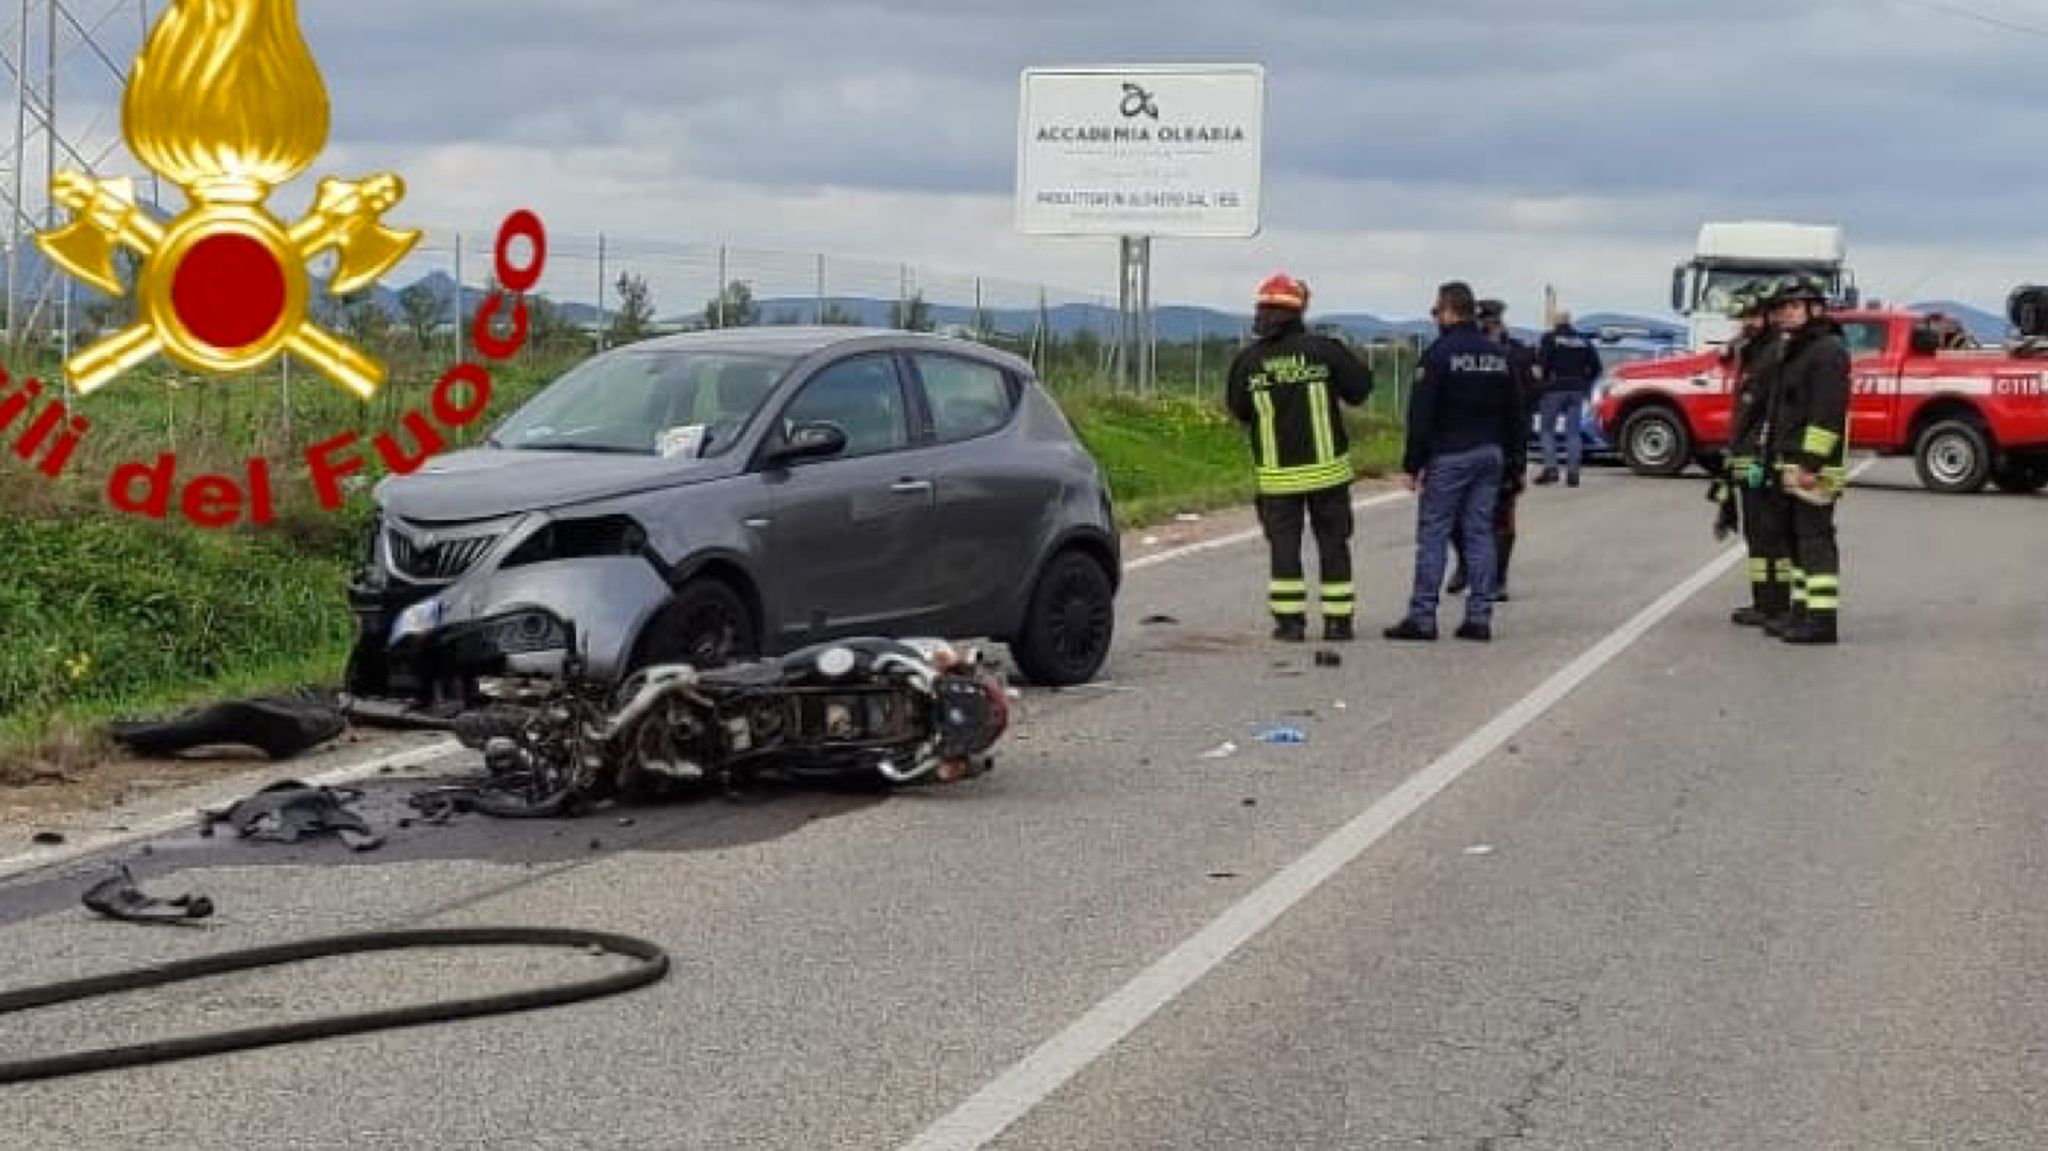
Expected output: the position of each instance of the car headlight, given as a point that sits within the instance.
(418, 619)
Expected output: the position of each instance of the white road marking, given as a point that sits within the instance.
(78, 848)
(1025, 1084)
(1235, 538)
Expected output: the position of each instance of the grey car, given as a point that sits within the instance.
(722, 494)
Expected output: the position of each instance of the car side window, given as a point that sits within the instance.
(863, 398)
(968, 399)
(1863, 337)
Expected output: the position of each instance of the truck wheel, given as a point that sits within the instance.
(1654, 442)
(1953, 458)
(2021, 475)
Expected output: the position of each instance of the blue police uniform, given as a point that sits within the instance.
(1571, 366)
(1466, 430)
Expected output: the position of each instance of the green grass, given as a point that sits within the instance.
(106, 614)
(1175, 453)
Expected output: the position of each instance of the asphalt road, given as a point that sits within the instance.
(1627, 877)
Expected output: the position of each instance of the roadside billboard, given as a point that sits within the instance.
(1148, 150)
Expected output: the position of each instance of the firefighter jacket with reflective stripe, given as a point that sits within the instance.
(1810, 400)
(1751, 359)
(1288, 388)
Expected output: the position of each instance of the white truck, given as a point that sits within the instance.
(1732, 252)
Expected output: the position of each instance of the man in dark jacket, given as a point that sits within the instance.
(1809, 424)
(1287, 387)
(1571, 366)
(1522, 359)
(1466, 428)
(1750, 359)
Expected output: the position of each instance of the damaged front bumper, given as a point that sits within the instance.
(422, 644)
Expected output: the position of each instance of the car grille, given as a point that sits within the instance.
(438, 560)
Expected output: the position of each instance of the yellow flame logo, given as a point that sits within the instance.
(225, 101)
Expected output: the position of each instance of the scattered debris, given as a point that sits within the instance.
(1223, 750)
(1223, 875)
(1480, 849)
(1249, 801)
(1283, 734)
(1159, 618)
(47, 838)
(1328, 658)
(279, 726)
(117, 897)
(1340, 705)
(288, 810)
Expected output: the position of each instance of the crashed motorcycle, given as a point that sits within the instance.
(865, 710)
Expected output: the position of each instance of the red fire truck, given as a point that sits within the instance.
(1967, 413)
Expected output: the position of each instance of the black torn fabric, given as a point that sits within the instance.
(279, 726)
(288, 811)
(117, 897)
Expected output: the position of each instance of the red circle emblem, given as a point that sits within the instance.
(228, 290)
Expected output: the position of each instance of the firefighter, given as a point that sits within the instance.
(1522, 359)
(1286, 387)
(1809, 431)
(1765, 520)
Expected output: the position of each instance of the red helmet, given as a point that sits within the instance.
(1283, 291)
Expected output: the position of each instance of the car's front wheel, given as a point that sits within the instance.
(707, 624)
(1070, 623)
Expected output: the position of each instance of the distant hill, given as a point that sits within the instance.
(1175, 323)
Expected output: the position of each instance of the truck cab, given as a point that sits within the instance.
(1730, 253)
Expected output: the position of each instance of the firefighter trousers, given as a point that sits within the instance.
(1329, 517)
(1816, 560)
(1767, 530)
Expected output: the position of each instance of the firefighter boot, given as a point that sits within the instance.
(1773, 605)
(1338, 629)
(1814, 627)
(1290, 628)
(1758, 610)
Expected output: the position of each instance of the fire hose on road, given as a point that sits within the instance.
(653, 966)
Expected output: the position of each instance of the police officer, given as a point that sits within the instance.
(1571, 366)
(1522, 359)
(1809, 431)
(1287, 387)
(1765, 518)
(1466, 429)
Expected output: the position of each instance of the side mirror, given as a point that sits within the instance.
(807, 442)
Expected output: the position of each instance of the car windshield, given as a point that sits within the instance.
(652, 402)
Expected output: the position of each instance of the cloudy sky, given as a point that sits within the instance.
(1512, 143)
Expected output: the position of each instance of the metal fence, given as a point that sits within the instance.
(604, 290)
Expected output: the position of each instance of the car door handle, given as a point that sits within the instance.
(907, 486)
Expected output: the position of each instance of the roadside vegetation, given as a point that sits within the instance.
(107, 613)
